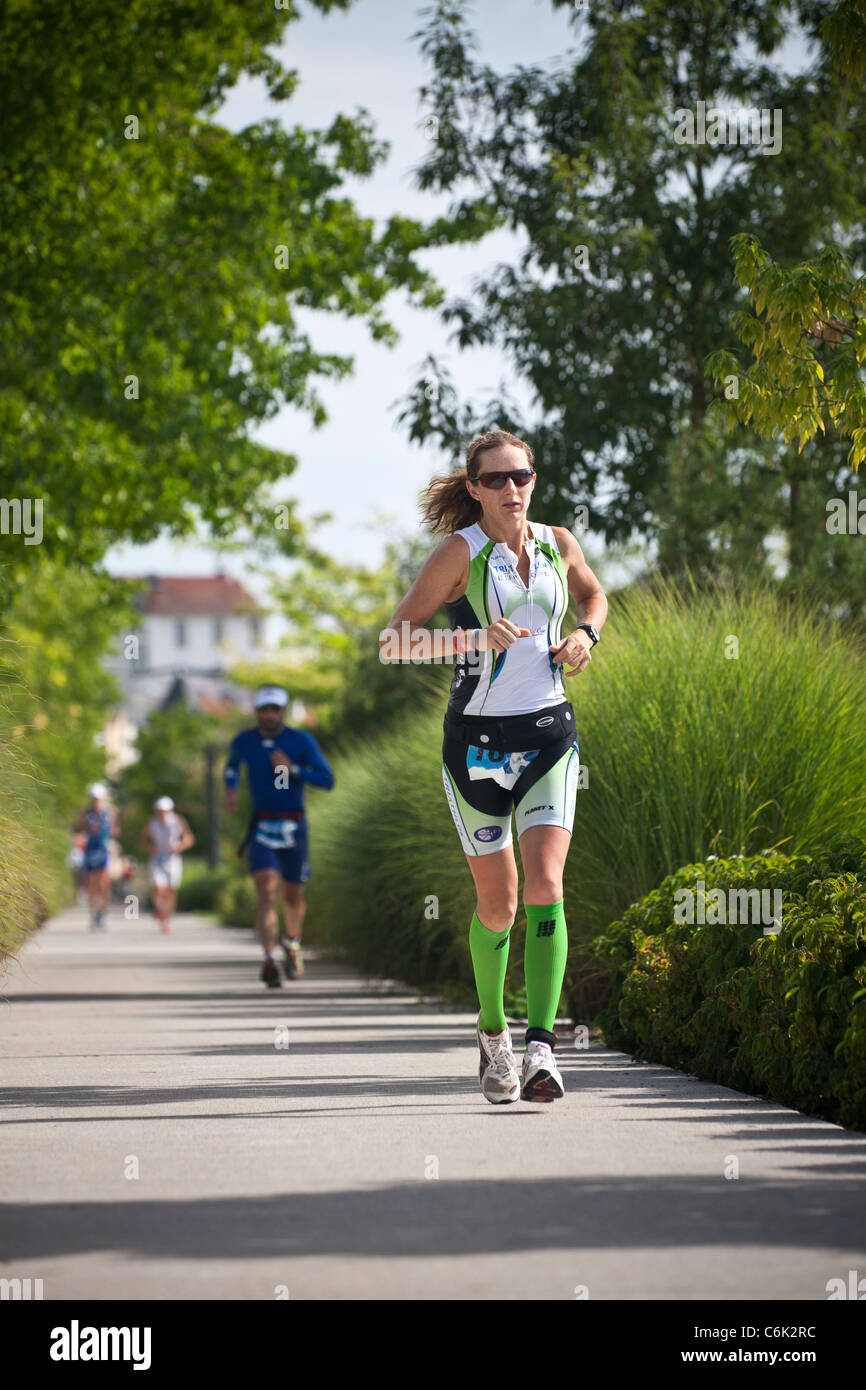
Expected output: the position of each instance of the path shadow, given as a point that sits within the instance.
(431, 1218)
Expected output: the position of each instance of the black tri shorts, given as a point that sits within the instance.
(522, 764)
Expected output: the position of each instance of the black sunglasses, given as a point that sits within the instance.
(519, 476)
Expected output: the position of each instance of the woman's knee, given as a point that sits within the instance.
(497, 910)
(542, 889)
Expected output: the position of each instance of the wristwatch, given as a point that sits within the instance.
(588, 627)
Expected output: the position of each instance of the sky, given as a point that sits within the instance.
(361, 464)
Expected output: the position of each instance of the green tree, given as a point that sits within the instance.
(624, 286)
(807, 333)
(805, 329)
(844, 32)
(57, 694)
(54, 698)
(151, 263)
(171, 748)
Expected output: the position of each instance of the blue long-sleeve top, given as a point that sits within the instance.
(254, 749)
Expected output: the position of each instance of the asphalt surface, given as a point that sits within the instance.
(171, 1129)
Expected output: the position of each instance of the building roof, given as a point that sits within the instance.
(188, 596)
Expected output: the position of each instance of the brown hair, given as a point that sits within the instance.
(447, 504)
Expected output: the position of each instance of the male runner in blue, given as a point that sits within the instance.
(279, 761)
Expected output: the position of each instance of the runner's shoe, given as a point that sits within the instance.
(497, 1070)
(271, 975)
(294, 961)
(541, 1080)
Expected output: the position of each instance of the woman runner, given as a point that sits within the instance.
(165, 837)
(99, 824)
(510, 741)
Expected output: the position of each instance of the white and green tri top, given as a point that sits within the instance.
(523, 678)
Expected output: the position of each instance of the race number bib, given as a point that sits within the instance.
(276, 834)
(504, 768)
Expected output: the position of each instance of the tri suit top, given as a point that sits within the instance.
(509, 739)
(523, 678)
(97, 826)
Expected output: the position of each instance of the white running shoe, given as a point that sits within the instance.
(497, 1071)
(541, 1079)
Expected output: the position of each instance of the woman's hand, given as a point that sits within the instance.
(573, 653)
(500, 635)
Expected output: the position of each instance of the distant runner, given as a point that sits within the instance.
(510, 744)
(279, 761)
(98, 822)
(165, 837)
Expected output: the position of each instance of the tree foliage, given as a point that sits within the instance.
(171, 748)
(152, 263)
(624, 285)
(56, 692)
(807, 333)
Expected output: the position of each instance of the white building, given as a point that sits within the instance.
(192, 628)
(197, 625)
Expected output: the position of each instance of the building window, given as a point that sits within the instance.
(255, 628)
(217, 629)
(180, 632)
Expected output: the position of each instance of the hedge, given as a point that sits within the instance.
(781, 1014)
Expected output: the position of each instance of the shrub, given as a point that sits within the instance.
(236, 902)
(201, 884)
(34, 878)
(780, 1015)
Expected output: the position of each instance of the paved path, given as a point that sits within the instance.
(361, 1160)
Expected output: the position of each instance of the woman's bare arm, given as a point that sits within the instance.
(442, 579)
(582, 583)
(574, 652)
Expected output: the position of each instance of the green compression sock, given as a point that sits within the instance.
(544, 962)
(489, 950)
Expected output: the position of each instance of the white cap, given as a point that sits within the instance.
(271, 695)
(163, 803)
(97, 789)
